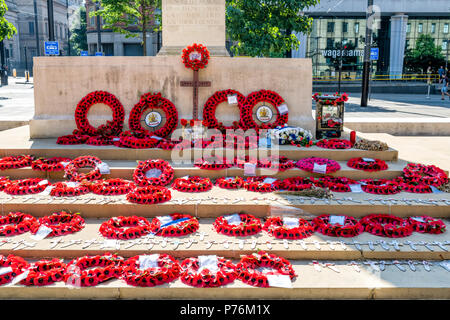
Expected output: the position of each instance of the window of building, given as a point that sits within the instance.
(446, 28)
(433, 28)
(420, 28)
(444, 44)
(92, 18)
(408, 28)
(344, 26)
(356, 27)
(329, 42)
(31, 27)
(330, 27)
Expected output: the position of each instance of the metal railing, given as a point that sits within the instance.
(409, 77)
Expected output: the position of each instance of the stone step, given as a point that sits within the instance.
(348, 283)
(317, 246)
(125, 169)
(219, 201)
(17, 142)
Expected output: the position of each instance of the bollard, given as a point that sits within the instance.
(27, 76)
(14, 73)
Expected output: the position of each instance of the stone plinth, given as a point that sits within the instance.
(61, 82)
(193, 21)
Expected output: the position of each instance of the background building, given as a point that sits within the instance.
(338, 22)
(116, 44)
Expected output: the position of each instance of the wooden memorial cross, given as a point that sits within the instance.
(195, 84)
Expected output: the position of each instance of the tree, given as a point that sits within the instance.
(349, 60)
(119, 15)
(78, 38)
(264, 28)
(425, 54)
(7, 29)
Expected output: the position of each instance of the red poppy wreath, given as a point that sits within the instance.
(248, 267)
(334, 144)
(174, 225)
(15, 162)
(108, 267)
(13, 267)
(50, 164)
(239, 225)
(386, 225)
(213, 163)
(381, 186)
(426, 224)
(27, 186)
(125, 228)
(430, 175)
(4, 182)
(318, 165)
(153, 173)
(112, 128)
(193, 275)
(154, 101)
(192, 184)
(261, 184)
(71, 169)
(44, 272)
(69, 189)
(112, 187)
(294, 184)
(195, 57)
(367, 164)
(336, 184)
(141, 139)
(150, 270)
(288, 228)
(279, 163)
(348, 226)
(230, 182)
(72, 139)
(15, 223)
(209, 109)
(413, 186)
(149, 195)
(61, 223)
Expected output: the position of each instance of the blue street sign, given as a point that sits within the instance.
(374, 52)
(51, 48)
(99, 54)
(84, 53)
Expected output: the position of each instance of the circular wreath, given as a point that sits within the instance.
(257, 184)
(140, 178)
(413, 186)
(249, 225)
(61, 223)
(101, 140)
(45, 272)
(336, 184)
(248, 271)
(69, 189)
(4, 182)
(149, 195)
(112, 128)
(15, 162)
(247, 120)
(137, 140)
(386, 225)
(295, 136)
(125, 228)
(72, 139)
(279, 163)
(213, 163)
(17, 264)
(361, 164)
(307, 164)
(295, 184)
(15, 223)
(191, 276)
(195, 64)
(80, 162)
(154, 101)
(430, 175)
(192, 184)
(187, 225)
(334, 144)
(112, 187)
(209, 109)
(167, 271)
(276, 227)
(381, 186)
(50, 164)
(230, 182)
(426, 224)
(27, 186)
(109, 266)
(351, 227)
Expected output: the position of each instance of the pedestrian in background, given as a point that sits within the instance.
(444, 89)
(441, 73)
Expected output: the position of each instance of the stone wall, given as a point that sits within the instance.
(61, 82)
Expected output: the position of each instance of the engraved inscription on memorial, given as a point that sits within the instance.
(194, 12)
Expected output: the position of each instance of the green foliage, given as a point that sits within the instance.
(7, 29)
(78, 38)
(264, 27)
(425, 54)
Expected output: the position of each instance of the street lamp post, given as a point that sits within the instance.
(99, 34)
(366, 65)
(51, 23)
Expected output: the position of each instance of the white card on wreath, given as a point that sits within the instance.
(148, 261)
(355, 188)
(368, 160)
(279, 280)
(233, 219)
(419, 219)
(320, 168)
(337, 220)
(153, 173)
(20, 277)
(208, 262)
(41, 183)
(47, 190)
(269, 180)
(42, 232)
(232, 99)
(164, 219)
(5, 270)
(249, 169)
(290, 223)
(283, 109)
(104, 168)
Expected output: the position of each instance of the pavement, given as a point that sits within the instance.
(17, 100)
